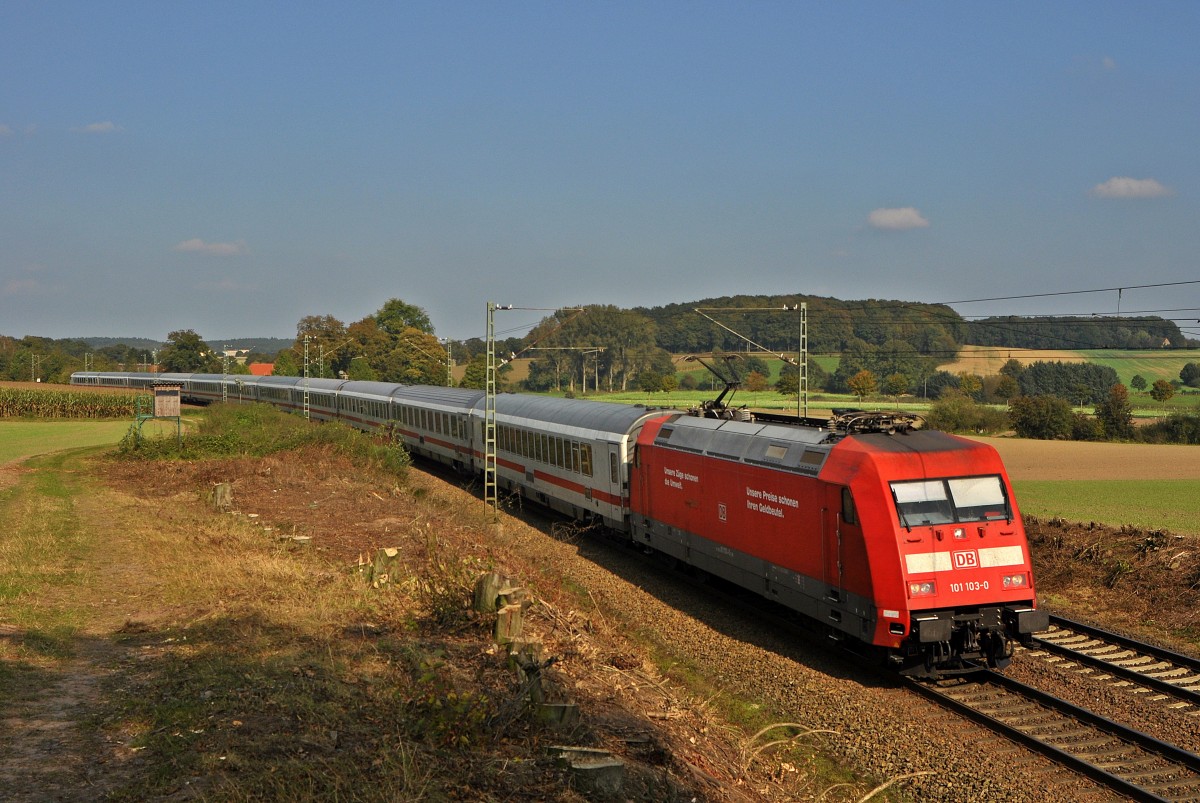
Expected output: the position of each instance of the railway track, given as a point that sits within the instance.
(1126, 761)
(1129, 763)
(1172, 678)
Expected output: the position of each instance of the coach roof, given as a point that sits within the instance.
(589, 415)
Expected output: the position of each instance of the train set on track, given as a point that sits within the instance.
(903, 540)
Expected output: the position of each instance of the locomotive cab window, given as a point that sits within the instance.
(924, 502)
(979, 499)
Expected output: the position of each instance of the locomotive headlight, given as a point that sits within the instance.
(959, 532)
(1016, 581)
(922, 588)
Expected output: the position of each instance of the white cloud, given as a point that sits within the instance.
(897, 219)
(107, 127)
(198, 246)
(5, 131)
(27, 286)
(1109, 63)
(224, 285)
(1125, 187)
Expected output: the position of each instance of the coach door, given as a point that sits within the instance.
(612, 471)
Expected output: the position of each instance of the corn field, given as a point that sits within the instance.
(17, 403)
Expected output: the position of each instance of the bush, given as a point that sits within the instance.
(1086, 428)
(955, 412)
(1042, 417)
(256, 430)
(1177, 428)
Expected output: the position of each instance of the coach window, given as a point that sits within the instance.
(575, 456)
(585, 459)
(849, 511)
(612, 467)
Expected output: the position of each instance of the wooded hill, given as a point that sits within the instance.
(932, 329)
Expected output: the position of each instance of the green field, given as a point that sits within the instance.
(1148, 504)
(21, 439)
(1151, 365)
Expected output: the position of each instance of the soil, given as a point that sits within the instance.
(987, 360)
(1027, 459)
(676, 746)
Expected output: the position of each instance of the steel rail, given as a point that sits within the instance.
(1154, 679)
(1113, 780)
(1160, 653)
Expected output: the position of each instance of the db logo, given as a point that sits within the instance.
(966, 560)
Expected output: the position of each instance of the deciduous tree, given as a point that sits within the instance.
(1162, 390)
(863, 384)
(755, 382)
(395, 316)
(186, 352)
(896, 384)
(286, 364)
(1116, 412)
(1190, 374)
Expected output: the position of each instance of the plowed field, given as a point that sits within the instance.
(1076, 460)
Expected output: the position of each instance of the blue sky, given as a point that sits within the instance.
(233, 167)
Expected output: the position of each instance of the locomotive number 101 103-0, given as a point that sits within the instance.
(970, 585)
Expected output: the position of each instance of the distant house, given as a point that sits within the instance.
(1166, 343)
(262, 368)
(239, 355)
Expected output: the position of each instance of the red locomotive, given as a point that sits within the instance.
(903, 539)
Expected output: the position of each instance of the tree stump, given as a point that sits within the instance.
(385, 566)
(222, 496)
(487, 591)
(509, 624)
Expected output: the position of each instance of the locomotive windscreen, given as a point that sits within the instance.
(946, 501)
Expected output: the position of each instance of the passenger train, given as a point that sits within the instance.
(904, 540)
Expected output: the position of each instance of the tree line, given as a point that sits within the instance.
(881, 346)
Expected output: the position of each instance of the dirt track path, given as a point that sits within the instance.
(51, 747)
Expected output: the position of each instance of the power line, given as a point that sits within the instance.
(1071, 292)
